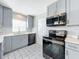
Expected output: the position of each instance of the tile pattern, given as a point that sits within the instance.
(31, 52)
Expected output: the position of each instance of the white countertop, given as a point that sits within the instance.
(1, 39)
(13, 34)
(72, 39)
(16, 33)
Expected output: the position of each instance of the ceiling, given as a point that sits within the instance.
(29, 7)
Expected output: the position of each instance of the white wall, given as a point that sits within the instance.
(40, 27)
(43, 29)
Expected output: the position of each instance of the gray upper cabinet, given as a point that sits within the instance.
(19, 41)
(73, 12)
(7, 17)
(74, 4)
(57, 7)
(51, 10)
(1, 15)
(7, 44)
(61, 6)
(30, 21)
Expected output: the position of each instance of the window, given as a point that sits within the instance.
(19, 23)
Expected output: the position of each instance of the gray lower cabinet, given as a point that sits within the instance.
(12, 43)
(1, 51)
(71, 51)
(7, 44)
(24, 40)
(72, 54)
(19, 41)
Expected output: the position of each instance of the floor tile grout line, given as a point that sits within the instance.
(32, 48)
(21, 54)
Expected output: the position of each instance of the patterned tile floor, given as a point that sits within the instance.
(31, 52)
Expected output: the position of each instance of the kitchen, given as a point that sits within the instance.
(25, 24)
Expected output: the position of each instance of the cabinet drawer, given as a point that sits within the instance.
(72, 46)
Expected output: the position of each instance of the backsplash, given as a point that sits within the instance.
(72, 30)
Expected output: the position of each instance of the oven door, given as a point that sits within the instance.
(53, 50)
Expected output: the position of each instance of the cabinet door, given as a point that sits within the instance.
(1, 15)
(7, 17)
(15, 42)
(73, 54)
(31, 39)
(68, 11)
(30, 20)
(61, 6)
(51, 10)
(66, 54)
(23, 40)
(1, 51)
(73, 12)
(74, 4)
(19, 41)
(7, 44)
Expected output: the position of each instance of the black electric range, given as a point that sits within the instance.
(54, 44)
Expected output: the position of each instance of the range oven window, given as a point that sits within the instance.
(53, 50)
